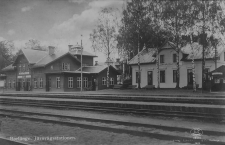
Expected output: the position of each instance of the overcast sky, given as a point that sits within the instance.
(52, 22)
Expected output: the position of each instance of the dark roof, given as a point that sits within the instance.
(220, 69)
(78, 52)
(8, 68)
(39, 58)
(34, 56)
(146, 56)
(197, 48)
(94, 69)
(51, 58)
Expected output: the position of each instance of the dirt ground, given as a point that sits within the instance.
(39, 133)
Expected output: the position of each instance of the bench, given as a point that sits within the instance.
(132, 87)
(149, 87)
(117, 86)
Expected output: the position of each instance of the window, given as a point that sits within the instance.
(174, 76)
(103, 81)
(65, 66)
(35, 83)
(23, 68)
(111, 81)
(78, 82)
(216, 81)
(9, 84)
(20, 68)
(70, 82)
(57, 82)
(161, 58)
(137, 77)
(41, 83)
(162, 76)
(85, 82)
(224, 56)
(23, 83)
(14, 84)
(49, 82)
(174, 57)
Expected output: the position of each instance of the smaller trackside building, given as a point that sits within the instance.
(35, 70)
(168, 65)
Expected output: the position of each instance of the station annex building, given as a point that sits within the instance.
(168, 65)
(52, 71)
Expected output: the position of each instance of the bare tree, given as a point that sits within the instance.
(104, 35)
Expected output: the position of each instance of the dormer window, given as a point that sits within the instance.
(66, 66)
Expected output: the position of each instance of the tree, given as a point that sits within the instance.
(104, 35)
(35, 44)
(174, 16)
(135, 31)
(159, 34)
(208, 14)
(6, 56)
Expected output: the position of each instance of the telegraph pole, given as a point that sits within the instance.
(81, 88)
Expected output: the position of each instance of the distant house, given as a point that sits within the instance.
(218, 78)
(168, 68)
(35, 70)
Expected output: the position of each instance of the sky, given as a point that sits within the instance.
(53, 22)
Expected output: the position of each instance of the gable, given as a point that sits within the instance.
(21, 58)
(68, 59)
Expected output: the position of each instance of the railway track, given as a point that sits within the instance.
(121, 110)
(163, 132)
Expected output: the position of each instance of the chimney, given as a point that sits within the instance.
(51, 50)
(70, 47)
(96, 63)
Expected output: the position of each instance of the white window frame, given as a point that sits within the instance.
(65, 66)
(85, 80)
(163, 56)
(78, 82)
(70, 82)
(41, 82)
(111, 81)
(216, 81)
(103, 80)
(9, 84)
(161, 81)
(35, 83)
(20, 70)
(14, 84)
(57, 82)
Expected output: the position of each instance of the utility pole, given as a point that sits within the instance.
(81, 88)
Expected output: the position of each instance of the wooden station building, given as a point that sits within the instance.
(52, 71)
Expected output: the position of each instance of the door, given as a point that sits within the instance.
(28, 84)
(48, 85)
(150, 77)
(189, 77)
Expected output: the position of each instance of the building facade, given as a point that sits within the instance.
(40, 71)
(168, 66)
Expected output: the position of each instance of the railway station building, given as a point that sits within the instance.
(54, 71)
(168, 65)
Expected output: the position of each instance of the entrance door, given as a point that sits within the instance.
(150, 77)
(28, 84)
(189, 77)
(48, 84)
